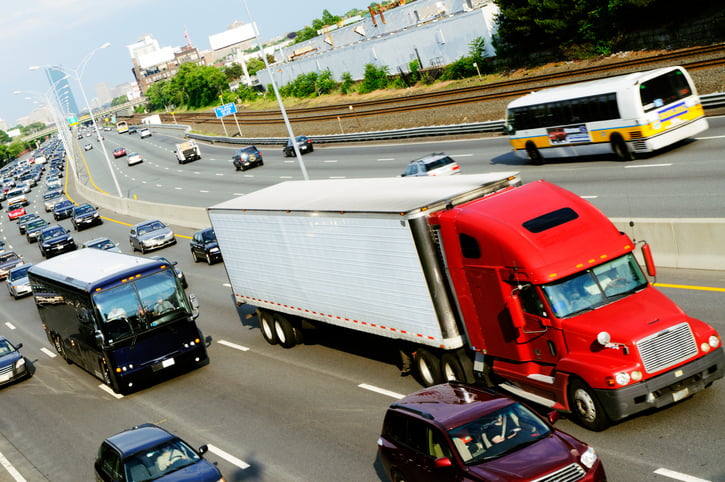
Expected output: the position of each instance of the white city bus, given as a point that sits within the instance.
(625, 115)
(122, 127)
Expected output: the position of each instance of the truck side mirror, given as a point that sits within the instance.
(194, 305)
(517, 313)
(649, 260)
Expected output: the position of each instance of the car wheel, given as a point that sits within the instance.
(194, 256)
(285, 331)
(266, 324)
(143, 249)
(208, 259)
(427, 367)
(586, 408)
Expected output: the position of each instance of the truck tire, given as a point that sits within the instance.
(266, 324)
(427, 367)
(285, 331)
(586, 408)
(457, 366)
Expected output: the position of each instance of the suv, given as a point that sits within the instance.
(436, 164)
(84, 216)
(455, 431)
(205, 246)
(303, 142)
(54, 240)
(246, 158)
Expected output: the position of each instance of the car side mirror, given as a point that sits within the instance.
(99, 338)
(203, 449)
(442, 463)
(553, 416)
(194, 305)
(18, 346)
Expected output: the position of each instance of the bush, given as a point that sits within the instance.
(374, 78)
(346, 83)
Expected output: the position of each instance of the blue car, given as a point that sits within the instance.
(12, 363)
(148, 452)
(62, 210)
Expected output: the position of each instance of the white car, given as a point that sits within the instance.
(134, 158)
(145, 132)
(88, 147)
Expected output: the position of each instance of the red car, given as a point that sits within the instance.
(120, 152)
(15, 211)
(456, 432)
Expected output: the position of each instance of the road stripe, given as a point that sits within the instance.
(110, 391)
(690, 287)
(385, 159)
(648, 165)
(228, 457)
(381, 391)
(678, 476)
(233, 345)
(48, 352)
(11, 470)
(9, 325)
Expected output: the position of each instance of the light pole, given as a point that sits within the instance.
(77, 74)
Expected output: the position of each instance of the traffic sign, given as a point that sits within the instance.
(225, 110)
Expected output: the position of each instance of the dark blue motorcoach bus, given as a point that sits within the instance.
(122, 318)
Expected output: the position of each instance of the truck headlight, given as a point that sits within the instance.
(588, 458)
(713, 341)
(622, 378)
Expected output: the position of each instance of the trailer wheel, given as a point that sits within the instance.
(457, 366)
(427, 367)
(266, 324)
(586, 408)
(534, 155)
(285, 331)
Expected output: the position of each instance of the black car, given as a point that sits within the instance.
(304, 143)
(62, 210)
(148, 452)
(54, 240)
(85, 216)
(246, 158)
(204, 246)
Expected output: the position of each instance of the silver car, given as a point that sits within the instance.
(18, 282)
(150, 235)
(102, 243)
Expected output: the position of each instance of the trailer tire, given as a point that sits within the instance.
(457, 367)
(285, 331)
(427, 367)
(586, 408)
(266, 325)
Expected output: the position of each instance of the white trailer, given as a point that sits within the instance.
(356, 253)
(187, 151)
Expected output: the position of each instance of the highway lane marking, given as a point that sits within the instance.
(648, 165)
(48, 352)
(233, 345)
(11, 470)
(9, 325)
(690, 287)
(589, 197)
(228, 457)
(462, 155)
(110, 391)
(385, 159)
(381, 391)
(331, 160)
(678, 476)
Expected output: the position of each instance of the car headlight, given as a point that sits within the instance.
(214, 250)
(19, 363)
(588, 458)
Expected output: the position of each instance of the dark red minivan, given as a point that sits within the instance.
(459, 432)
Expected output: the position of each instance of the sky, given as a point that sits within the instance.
(65, 32)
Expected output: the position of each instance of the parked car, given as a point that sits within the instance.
(436, 164)
(23, 220)
(88, 146)
(85, 216)
(102, 243)
(149, 235)
(9, 260)
(32, 229)
(18, 282)
(134, 158)
(303, 142)
(455, 431)
(204, 245)
(179, 274)
(54, 240)
(148, 452)
(247, 158)
(15, 211)
(145, 132)
(119, 152)
(13, 366)
(63, 209)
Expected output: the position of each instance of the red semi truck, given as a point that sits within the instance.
(479, 278)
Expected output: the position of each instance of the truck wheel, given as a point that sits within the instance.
(586, 408)
(285, 331)
(457, 366)
(266, 324)
(427, 367)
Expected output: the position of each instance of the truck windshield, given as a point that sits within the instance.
(139, 306)
(595, 287)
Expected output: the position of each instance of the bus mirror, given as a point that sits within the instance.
(517, 314)
(509, 130)
(649, 260)
(99, 338)
(194, 305)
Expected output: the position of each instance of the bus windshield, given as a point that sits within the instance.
(664, 89)
(595, 287)
(141, 305)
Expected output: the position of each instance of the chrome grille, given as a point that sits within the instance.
(667, 348)
(7, 369)
(569, 473)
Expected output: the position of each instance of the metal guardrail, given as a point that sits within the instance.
(709, 101)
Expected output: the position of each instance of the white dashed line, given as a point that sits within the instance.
(228, 457)
(385, 159)
(648, 165)
(381, 391)
(48, 352)
(678, 476)
(11, 470)
(233, 345)
(9, 325)
(110, 391)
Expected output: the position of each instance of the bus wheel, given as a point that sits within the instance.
(586, 408)
(427, 367)
(285, 331)
(620, 149)
(266, 324)
(457, 366)
(534, 155)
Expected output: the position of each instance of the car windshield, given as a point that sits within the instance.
(19, 273)
(496, 434)
(160, 460)
(209, 236)
(147, 228)
(595, 287)
(102, 244)
(86, 208)
(141, 305)
(5, 347)
(5, 257)
(51, 195)
(36, 223)
(54, 232)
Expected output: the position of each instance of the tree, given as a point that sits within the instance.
(122, 99)
(233, 72)
(374, 78)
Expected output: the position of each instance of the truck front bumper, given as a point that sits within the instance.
(664, 389)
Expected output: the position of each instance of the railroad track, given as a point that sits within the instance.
(480, 93)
